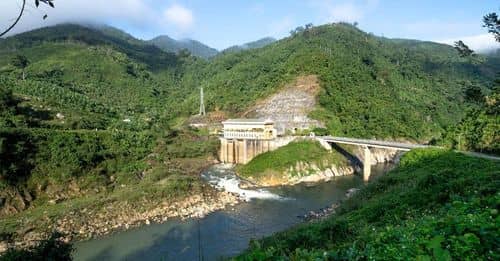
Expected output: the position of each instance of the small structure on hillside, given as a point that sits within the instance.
(243, 139)
(202, 103)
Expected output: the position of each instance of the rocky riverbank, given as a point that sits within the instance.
(302, 172)
(327, 211)
(86, 223)
(308, 172)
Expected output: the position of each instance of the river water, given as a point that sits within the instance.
(223, 233)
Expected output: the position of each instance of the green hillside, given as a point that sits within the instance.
(286, 157)
(372, 87)
(437, 205)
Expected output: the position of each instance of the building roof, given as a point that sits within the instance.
(247, 121)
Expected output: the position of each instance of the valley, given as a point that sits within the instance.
(96, 137)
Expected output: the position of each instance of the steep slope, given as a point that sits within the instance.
(289, 108)
(370, 86)
(436, 205)
(94, 77)
(194, 47)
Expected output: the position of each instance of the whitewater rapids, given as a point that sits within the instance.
(223, 177)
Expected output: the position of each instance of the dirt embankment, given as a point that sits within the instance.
(96, 214)
(289, 107)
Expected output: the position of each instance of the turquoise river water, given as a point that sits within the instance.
(223, 233)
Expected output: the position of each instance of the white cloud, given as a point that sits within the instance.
(180, 16)
(479, 43)
(344, 11)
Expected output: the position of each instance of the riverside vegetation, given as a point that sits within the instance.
(291, 163)
(436, 204)
(94, 118)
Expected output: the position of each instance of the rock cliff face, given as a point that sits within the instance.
(304, 172)
(311, 173)
(289, 108)
(316, 174)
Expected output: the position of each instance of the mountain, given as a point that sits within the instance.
(251, 45)
(67, 34)
(171, 45)
(371, 86)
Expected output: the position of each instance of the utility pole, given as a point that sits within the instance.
(202, 103)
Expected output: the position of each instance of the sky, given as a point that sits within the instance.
(224, 23)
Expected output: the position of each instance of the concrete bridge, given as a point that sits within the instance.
(367, 144)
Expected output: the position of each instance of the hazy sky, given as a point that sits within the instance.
(222, 23)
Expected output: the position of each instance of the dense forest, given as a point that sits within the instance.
(95, 107)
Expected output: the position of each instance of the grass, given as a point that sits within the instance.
(288, 156)
(437, 205)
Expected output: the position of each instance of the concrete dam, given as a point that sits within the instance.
(243, 139)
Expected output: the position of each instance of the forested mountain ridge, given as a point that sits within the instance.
(251, 45)
(72, 33)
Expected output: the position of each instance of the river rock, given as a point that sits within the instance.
(350, 192)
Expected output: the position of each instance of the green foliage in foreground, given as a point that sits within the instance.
(279, 160)
(436, 205)
(50, 249)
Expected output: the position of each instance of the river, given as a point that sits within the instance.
(223, 233)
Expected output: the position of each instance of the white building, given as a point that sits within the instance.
(243, 139)
(254, 129)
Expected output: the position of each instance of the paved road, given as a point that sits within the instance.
(479, 155)
(396, 145)
(374, 143)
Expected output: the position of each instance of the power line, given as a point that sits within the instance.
(202, 103)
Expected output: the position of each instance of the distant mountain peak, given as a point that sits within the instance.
(251, 45)
(196, 48)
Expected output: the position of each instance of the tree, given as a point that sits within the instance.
(463, 49)
(21, 62)
(21, 12)
(492, 22)
(474, 94)
(478, 130)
